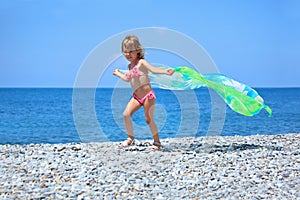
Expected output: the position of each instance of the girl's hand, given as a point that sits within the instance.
(116, 72)
(120, 75)
(170, 71)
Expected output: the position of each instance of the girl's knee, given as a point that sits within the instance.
(126, 114)
(148, 120)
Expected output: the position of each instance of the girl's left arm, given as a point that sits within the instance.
(156, 70)
(117, 73)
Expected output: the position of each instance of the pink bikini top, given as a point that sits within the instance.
(134, 72)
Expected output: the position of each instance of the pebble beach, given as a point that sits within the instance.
(212, 167)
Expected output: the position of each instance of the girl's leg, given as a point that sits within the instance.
(149, 106)
(132, 106)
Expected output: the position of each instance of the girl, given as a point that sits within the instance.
(143, 94)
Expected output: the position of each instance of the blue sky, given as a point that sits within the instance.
(44, 43)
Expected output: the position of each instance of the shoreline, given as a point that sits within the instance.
(218, 167)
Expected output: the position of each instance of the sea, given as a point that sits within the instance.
(67, 115)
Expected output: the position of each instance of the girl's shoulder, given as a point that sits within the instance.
(142, 62)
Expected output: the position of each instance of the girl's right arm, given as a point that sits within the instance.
(122, 76)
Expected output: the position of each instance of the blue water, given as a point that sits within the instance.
(47, 116)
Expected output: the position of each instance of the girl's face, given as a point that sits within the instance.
(131, 56)
(131, 53)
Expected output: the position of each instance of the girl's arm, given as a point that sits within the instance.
(122, 76)
(156, 70)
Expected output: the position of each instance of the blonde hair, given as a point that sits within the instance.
(132, 40)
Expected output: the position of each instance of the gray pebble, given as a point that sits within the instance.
(252, 167)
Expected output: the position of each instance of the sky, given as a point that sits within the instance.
(44, 43)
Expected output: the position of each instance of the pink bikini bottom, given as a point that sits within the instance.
(149, 95)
